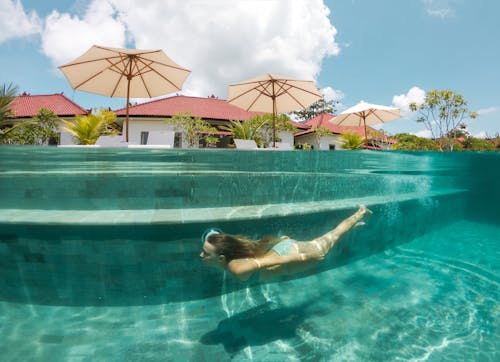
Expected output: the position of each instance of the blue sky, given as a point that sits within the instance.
(386, 52)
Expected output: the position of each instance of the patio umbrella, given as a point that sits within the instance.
(120, 72)
(363, 114)
(273, 94)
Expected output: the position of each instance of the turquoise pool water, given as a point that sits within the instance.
(98, 256)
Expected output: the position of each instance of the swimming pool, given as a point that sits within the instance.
(99, 255)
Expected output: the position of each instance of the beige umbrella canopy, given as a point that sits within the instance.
(120, 72)
(363, 114)
(273, 94)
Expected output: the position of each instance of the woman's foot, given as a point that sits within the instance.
(363, 210)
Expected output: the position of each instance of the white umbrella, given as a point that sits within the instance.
(120, 72)
(273, 94)
(363, 114)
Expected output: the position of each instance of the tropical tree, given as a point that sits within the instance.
(459, 132)
(194, 129)
(282, 123)
(248, 130)
(260, 128)
(443, 113)
(315, 109)
(414, 143)
(37, 131)
(7, 95)
(496, 141)
(320, 132)
(352, 141)
(87, 129)
(478, 144)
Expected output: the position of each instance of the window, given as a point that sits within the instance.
(331, 147)
(144, 138)
(178, 140)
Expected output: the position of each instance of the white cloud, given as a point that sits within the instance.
(403, 101)
(440, 13)
(65, 37)
(331, 94)
(439, 8)
(15, 23)
(487, 110)
(480, 134)
(423, 133)
(335, 95)
(220, 41)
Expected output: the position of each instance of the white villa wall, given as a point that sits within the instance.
(65, 137)
(285, 137)
(136, 126)
(326, 141)
(134, 134)
(310, 139)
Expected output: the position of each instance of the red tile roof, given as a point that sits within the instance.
(207, 108)
(299, 125)
(322, 120)
(26, 105)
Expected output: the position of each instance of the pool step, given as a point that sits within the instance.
(170, 189)
(203, 215)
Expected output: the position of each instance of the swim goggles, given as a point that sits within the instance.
(207, 233)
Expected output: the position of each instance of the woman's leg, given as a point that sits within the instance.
(318, 248)
(325, 243)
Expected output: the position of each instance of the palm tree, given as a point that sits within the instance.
(87, 129)
(7, 95)
(248, 130)
(259, 128)
(241, 130)
(352, 141)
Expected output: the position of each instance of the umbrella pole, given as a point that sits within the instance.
(366, 134)
(274, 122)
(126, 111)
(274, 116)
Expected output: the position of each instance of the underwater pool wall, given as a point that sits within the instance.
(482, 175)
(122, 227)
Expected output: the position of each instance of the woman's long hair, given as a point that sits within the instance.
(240, 247)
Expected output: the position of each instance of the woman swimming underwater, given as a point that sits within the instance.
(271, 257)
